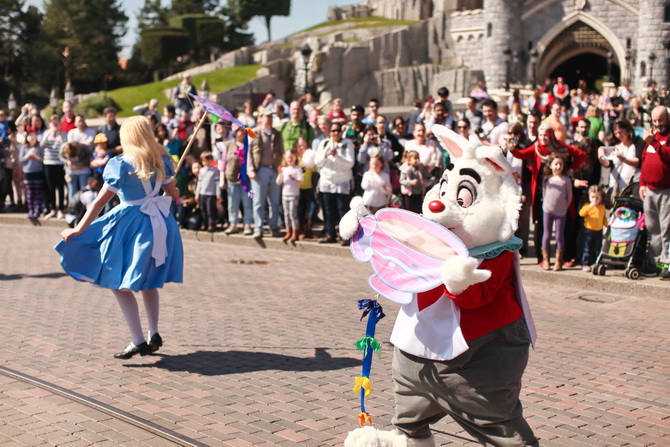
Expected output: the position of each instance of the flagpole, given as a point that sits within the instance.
(190, 143)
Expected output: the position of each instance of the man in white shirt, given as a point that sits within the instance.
(82, 134)
(494, 128)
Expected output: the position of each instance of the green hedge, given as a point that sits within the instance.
(162, 44)
(93, 107)
(196, 35)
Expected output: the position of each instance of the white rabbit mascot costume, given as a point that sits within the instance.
(461, 346)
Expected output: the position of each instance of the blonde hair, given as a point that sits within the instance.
(139, 143)
(292, 152)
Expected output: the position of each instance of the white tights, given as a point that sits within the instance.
(131, 312)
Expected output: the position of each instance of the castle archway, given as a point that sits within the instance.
(587, 67)
(581, 48)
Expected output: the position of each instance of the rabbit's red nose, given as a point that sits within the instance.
(436, 206)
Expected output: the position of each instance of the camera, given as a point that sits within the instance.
(513, 141)
(480, 132)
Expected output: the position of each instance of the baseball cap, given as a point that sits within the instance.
(358, 108)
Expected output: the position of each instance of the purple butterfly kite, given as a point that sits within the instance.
(221, 112)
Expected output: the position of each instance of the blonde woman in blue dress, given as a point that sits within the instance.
(136, 247)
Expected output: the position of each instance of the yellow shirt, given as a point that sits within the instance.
(594, 216)
(307, 177)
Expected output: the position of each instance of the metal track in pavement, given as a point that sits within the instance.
(128, 418)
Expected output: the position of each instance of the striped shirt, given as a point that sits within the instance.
(52, 142)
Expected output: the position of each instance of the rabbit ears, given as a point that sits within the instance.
(460, 147)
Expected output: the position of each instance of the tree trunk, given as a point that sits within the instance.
(267, 24)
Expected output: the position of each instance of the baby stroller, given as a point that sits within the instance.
(625, 239)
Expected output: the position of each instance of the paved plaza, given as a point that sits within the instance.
(259, 350)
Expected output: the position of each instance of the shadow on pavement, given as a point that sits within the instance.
(217, 363)
(16, 276)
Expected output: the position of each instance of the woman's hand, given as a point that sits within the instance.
(581, 183)
(70, 232)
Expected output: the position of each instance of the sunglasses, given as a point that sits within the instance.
(336, 130)
(463, 127)
(373, 106)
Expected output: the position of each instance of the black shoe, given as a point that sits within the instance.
(664, 275)
(345, 243)
(155, 342)
(328, 240)
(131, 350)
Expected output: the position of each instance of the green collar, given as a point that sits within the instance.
(493, 249)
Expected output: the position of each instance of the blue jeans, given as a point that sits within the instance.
(265, 188)
(334, 207)
(593, 241)
(237, 196)
(77, 182)
(307, 206)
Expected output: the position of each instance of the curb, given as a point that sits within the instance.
(614, 283)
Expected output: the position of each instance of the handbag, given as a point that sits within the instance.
(609, 197)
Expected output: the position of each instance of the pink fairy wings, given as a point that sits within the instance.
(405, 251)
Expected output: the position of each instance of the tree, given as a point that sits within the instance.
(247, 9)
(152, 15)
(18, 31)
(234, 36)
(158, 47)
(84, 36)
(190, 7)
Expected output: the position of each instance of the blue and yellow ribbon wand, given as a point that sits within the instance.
(368, 345)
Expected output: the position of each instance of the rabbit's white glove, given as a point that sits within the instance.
(459, 273)
(349, 222)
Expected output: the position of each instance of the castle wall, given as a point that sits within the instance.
(467, 30)
(652, 38)
(502, 32)
(620, 20)
(454, 44)
(402, 9)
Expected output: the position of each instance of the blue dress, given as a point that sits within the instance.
(137, 245)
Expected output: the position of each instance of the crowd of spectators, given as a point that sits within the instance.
(604, 142)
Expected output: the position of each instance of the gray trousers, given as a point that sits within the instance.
(290, 204)
(479, 389)
(657, 222)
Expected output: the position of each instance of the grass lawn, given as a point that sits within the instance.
(220, 80)
(365, 22)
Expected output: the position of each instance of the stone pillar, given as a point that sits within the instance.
(502, 27)
(651, 40)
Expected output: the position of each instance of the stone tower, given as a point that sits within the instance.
(502, 33)
(652, 39)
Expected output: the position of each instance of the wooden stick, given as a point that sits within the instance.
(190, 143)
